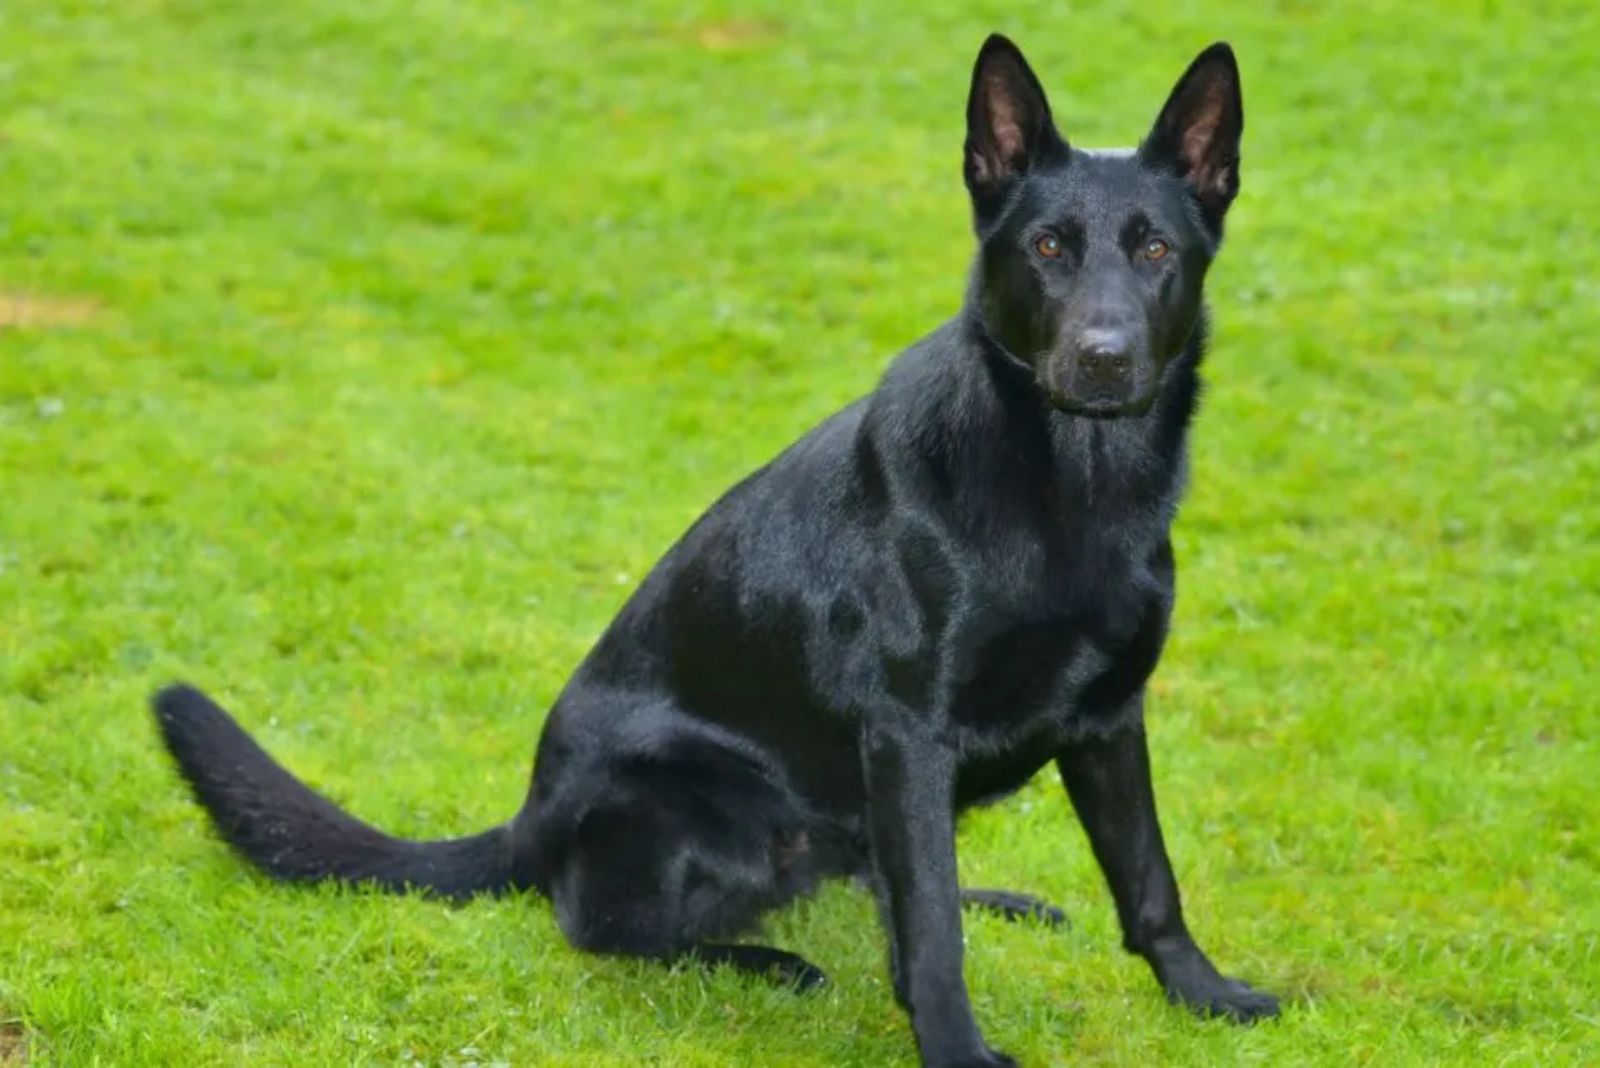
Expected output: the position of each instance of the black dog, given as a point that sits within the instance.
(913, 609)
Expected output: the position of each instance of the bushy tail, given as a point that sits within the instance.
(293, 833)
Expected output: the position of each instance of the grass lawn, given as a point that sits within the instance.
(357, 359)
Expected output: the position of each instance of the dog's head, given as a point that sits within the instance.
(1090, 264)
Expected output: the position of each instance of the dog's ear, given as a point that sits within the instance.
(1008, 122)
(1197, 134)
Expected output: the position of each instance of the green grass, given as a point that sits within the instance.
(356, 360)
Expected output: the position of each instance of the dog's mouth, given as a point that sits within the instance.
(1103, 392)
(1102, 406)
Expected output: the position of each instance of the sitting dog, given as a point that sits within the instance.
(940, 589)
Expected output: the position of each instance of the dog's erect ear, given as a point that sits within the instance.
(1008, 122)
(1197, 134)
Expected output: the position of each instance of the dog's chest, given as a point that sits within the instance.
(1061, 650)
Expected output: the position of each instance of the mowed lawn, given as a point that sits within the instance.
(357, 359)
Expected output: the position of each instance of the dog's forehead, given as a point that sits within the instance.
(1109, 184)
(1125, 153)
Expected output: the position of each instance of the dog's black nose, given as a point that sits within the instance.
(1105, 356)
(1106, 363)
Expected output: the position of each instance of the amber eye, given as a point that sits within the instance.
(1048, 246)
(1155, 249)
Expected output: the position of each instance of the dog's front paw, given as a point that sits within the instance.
(988, 1058)
(1231, 999)
(1190, 980)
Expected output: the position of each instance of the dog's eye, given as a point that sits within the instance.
(1155, 249)
(1048, 246)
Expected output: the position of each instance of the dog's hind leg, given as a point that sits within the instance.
(654, 870)
(1015, 907)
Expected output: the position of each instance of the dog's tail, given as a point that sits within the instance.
(293, 833)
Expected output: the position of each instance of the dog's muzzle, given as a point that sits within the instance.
(1100, 374)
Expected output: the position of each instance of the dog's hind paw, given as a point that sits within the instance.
(765, 962)
(1015, 907)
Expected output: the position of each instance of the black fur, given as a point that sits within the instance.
(944, 587)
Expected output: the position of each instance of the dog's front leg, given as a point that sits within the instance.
(910, 781)
(1108, 778)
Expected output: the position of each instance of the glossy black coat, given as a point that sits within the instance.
(941, 589)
